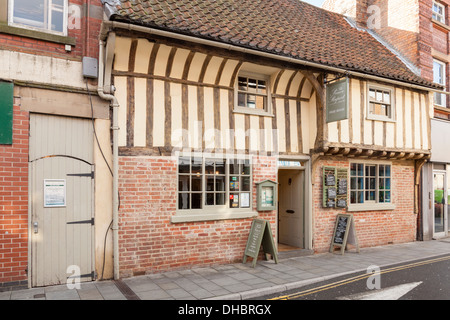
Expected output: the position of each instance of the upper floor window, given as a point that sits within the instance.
(252, 93)
(380, 104)
(42, 15)
(439, 77)
(438, 12)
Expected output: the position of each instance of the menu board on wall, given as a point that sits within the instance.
(335, 187)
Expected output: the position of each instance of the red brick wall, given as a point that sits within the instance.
(440, 40)
(14, 203)
(373, 228)
(440, 43)
(81, 48)
(149, 242)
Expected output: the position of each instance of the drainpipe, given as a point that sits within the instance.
(115, 105)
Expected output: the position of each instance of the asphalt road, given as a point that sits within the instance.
(427, 279)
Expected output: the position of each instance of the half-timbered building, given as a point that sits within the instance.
(214, 97)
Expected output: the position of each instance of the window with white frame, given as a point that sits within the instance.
(370, 183)
(380, 104)
(43, 15)
(439, 74)
(252, 93)
(206, 183)
(438, 12)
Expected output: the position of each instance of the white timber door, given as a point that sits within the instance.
(290, 208)
(62, 200)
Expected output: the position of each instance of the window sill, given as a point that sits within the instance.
(370, 207)
(39, 35)
(375, 118)
(440, 24)
(254, 112)
(192, 216)
(441, 108)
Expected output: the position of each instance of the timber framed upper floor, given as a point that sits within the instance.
(199, 85)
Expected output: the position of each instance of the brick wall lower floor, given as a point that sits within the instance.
(373, 228)
(150, 242)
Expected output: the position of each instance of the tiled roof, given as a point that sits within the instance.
(284, 27)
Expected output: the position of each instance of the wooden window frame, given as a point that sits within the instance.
(436, 15)
(268, 108)
(215, 212)
(391, 103)
(371, 205)
(444, 75)
(38, 29)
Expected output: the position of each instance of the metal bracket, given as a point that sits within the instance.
(91, 221)
(92, 275)
(335, 79)
(91, 174)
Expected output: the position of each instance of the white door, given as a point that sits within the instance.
(290, 207)
(62, 200)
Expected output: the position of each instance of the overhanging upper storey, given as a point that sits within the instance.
(388, 105)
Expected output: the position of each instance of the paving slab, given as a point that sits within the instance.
(239, 281)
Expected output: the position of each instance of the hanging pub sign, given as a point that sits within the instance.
(337, 100)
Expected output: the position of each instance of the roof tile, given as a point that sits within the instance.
(284, 27)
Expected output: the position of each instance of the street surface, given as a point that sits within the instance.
(427, 279)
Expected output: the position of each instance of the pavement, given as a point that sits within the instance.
(239, 281)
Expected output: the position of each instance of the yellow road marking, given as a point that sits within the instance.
(357, 278)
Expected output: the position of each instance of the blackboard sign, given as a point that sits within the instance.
(335, 187)
(344, 233)
(341, 203)
(341, 229)
(342, 186)
(330, 180)
(260, 234)
(331, 193)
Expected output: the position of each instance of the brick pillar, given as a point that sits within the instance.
(14, 205)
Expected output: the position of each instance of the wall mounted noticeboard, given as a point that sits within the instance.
(344, 233)
(260, 234)
(266, 195)
(335, 187)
